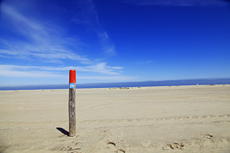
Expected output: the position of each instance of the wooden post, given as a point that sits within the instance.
(72, 111)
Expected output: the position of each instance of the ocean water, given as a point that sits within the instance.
(124, 84)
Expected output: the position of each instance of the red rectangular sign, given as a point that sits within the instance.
(72, 76)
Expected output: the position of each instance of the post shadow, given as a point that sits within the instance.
(63, 131)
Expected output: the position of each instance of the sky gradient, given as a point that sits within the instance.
(113, 40)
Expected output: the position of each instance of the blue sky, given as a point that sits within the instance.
(113, 40)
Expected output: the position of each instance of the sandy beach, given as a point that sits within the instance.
(177, 119)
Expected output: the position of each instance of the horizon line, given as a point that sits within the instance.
(116, 82)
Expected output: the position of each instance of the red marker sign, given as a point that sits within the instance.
(72, 76)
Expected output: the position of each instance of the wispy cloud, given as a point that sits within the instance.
(95, 72)
(114, 78)
(31, 71)
(23, 71)
(89, 18)
(176, 2)
(44, 39)
(147, 62)
(36, 40)
(108, 46)
(101, 68)
(81, 40)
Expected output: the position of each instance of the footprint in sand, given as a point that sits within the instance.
(120, 151)
(173, 146)
(112, 145)
(207, 136)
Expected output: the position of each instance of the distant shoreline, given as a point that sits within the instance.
(116, 88)
(124, 84)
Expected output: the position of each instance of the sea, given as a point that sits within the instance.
(123, 84)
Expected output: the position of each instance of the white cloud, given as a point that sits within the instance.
(15, 71)
(89, 18)
(108, 46)
(46, 71)
(38, 39)
(44, 39)
(101, 68)
(108, 73)
(147, 62)
(34, 38)
(110, 78)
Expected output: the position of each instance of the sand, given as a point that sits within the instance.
(177, 119)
